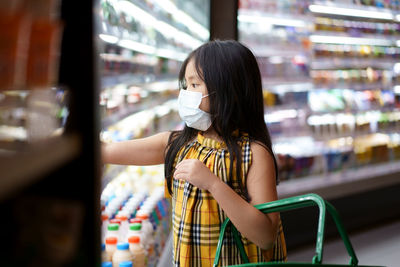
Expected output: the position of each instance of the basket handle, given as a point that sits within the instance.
(292, 203)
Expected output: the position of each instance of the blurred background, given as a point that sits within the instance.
(74, 73)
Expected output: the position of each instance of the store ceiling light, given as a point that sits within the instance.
(271, 20)
(108, 38)
(161, 26)
(351, 12)
(138, 47)
(183, 18)
(327, 39)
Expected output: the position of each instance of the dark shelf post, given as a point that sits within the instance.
(223, 19)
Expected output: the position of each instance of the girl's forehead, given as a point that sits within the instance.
(191, 71)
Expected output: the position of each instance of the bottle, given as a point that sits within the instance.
(44, 44)
(106, 264)
(104, 224)
(125, 264)
(139, 255)
(124, 226)
(122, 254)
(135, 220)
(135, 229)
(148, 234)
(113, 230)
(105, 257)
(110, 247)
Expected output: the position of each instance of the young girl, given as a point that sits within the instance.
(220, 164)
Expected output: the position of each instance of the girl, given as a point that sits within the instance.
(220, 164)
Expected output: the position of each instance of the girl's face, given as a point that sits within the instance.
(195, 84)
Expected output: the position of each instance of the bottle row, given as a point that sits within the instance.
(336, 155)
(302, 6)
(355, 28)
(348, 76)
(30, 36)
(117, 61)
(355, 51)
(389, 4)
(342, 124)
(282, 6)
(333, 100)
(134, 227)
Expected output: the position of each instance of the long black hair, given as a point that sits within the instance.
(232, 77)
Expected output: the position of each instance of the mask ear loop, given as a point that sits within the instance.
(207, 95)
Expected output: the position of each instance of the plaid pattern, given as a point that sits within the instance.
(197, 216)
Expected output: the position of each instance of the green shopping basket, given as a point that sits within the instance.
(291, 204)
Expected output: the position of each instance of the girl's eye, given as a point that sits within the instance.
(194, 85)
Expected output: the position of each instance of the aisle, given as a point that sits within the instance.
(166, 257)
(379, 246)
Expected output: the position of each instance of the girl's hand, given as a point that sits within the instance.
(195, 172)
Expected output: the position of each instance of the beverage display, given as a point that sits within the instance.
(142, 46)
(330, 81)
(146, 210)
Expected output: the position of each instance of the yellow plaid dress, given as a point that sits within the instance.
(197, 216)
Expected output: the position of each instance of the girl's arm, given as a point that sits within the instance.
(258, 227)
(144, 151)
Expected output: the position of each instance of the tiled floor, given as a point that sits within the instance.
(377, 246)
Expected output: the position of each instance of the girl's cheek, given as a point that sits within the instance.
(205, 106)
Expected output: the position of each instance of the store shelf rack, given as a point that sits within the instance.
(35, 161)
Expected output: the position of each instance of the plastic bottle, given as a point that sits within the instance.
(122, 254)
(135, 229)
(148, 237)
(126, 264)
(105, 257)
(107, 264)
(137, 250)
(135, 220)
(104, 225)
(111, 246)
(113, 231)
(124, 227)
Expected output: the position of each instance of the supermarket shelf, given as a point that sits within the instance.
(258, 17)
(346, 182)
(143, 48)
(353, 86)
(139, 79)
(20, 169)
(358, 63)
(127, 111)
(120, 58)
(285, 87)
(334, 39)
(283, 50)
(376, 36)
(272, 82)
(358, 11)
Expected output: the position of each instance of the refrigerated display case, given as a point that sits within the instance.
(142, 46)
(330, 74)
(48, 160)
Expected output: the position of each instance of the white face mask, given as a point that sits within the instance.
(189, 111)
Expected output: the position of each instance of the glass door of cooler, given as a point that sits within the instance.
(142, 46)
(330, 73)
